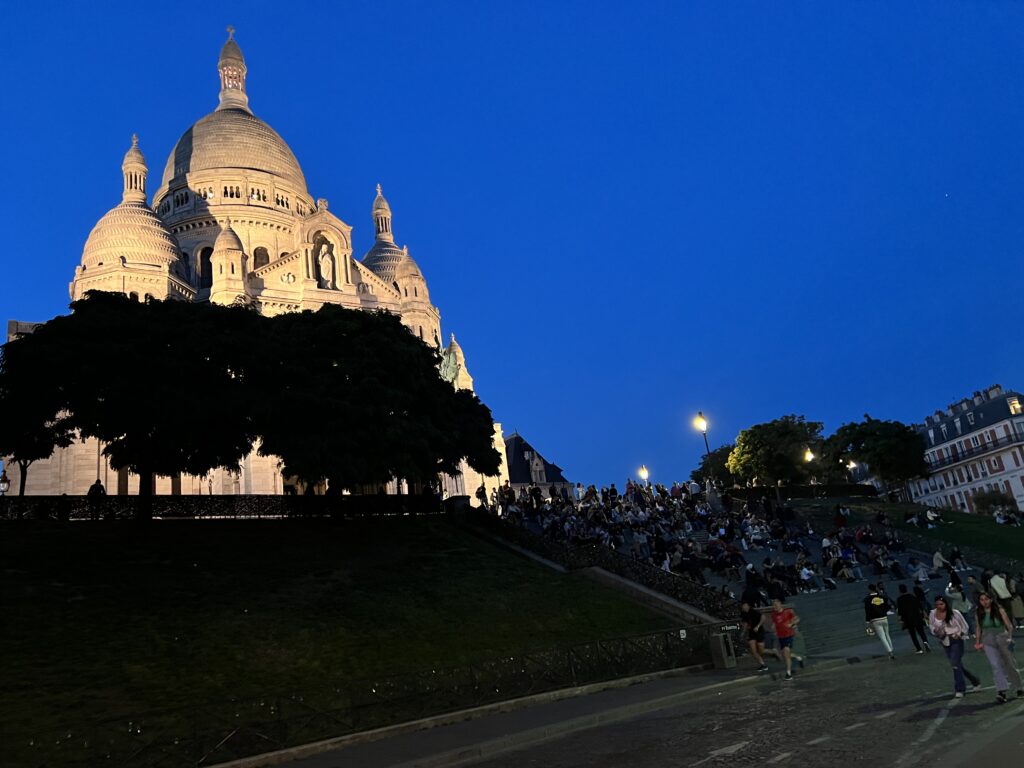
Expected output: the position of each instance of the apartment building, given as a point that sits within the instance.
(976, 444)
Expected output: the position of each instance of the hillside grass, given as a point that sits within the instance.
(976, 531)
(109, 620)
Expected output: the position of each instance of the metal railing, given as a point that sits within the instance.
(214, 507)
(959, 454)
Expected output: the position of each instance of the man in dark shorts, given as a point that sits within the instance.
(753, 622)
(785, 621)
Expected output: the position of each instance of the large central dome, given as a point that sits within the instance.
(233, 138)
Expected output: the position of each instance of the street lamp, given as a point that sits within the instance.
(701, 424)
(808, 455)
(644, 474)
(5, 483)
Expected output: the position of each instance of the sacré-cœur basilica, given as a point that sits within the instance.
(232, 221)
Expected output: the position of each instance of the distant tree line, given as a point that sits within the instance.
(168, 387)
(791, 449)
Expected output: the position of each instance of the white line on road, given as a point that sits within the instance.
(890, 713)
(930, 731)
(780, 757)
(732, 749)
(854, 727)
(819, 740)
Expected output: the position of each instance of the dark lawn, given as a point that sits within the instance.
(105, 620)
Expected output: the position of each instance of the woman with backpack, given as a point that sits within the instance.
(994, 633)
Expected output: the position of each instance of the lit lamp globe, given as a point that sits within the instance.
(644, 474)
(700, 423)
(5, 483)
(808, 455)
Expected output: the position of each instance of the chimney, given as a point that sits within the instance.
(994, 391)
(928, 421)
(977, 398)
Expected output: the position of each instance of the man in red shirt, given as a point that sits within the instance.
(785, 621)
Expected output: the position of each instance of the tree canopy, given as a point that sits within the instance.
(172, 387)
(774, 451)
(715, 465)
(893, 451)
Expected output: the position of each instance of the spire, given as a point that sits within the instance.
(232, 75)
(382, 217)
(134, 169)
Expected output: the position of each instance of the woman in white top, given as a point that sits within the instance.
(951, 628)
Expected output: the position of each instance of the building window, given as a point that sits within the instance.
(1015, 408)
(970, 419)
(975, 442)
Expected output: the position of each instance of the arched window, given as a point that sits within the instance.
(421, 332)
(397, 289)
(205, 271)
(260, 258)
(415, 292)
(283, 254)
(407, 293)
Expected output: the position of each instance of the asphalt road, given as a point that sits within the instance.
(887, 713)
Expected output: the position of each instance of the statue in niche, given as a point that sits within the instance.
(325, 265)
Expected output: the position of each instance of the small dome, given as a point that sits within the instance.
(227, 240)
(132, 232)
(383, 260)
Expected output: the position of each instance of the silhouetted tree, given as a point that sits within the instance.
(775, 450)
(715, 465)
(354, 398)
(893, 451)
(33, 422)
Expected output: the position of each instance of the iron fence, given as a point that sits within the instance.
(63, 508)
(214, 733)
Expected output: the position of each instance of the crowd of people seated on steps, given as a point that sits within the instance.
(682, 529)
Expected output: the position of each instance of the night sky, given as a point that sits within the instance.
(625, 211)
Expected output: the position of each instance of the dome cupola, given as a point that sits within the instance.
(231, 67)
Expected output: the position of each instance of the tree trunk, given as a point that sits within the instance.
(144, 510)
(23, 465)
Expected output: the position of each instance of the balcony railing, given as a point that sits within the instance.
(959, 455)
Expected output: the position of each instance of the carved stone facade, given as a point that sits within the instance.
(233, 221)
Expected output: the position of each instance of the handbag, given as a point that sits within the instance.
(869, 630)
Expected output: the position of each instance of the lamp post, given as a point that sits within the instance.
(808, 458)
(5, 483)
(701, 424)
(644, 474)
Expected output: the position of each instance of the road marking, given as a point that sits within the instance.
(939, 719)
(819, 740)
(780, 757)
(890, 713)
(732, 749)
(854, 727)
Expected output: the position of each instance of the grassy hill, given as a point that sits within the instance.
(974, 531)
(107, 620)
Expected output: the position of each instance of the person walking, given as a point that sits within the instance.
(994, 632)
(876, 614)
(949, 625)
(753, 621)
(785, 621)
(911, 614)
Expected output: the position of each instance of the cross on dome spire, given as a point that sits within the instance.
(231, 66)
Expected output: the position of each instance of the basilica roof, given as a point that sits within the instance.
(233, 139)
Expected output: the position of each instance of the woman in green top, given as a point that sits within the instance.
(994, 633)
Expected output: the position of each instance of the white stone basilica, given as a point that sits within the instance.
(233, 222)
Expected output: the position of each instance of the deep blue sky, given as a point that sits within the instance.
(625, 211)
